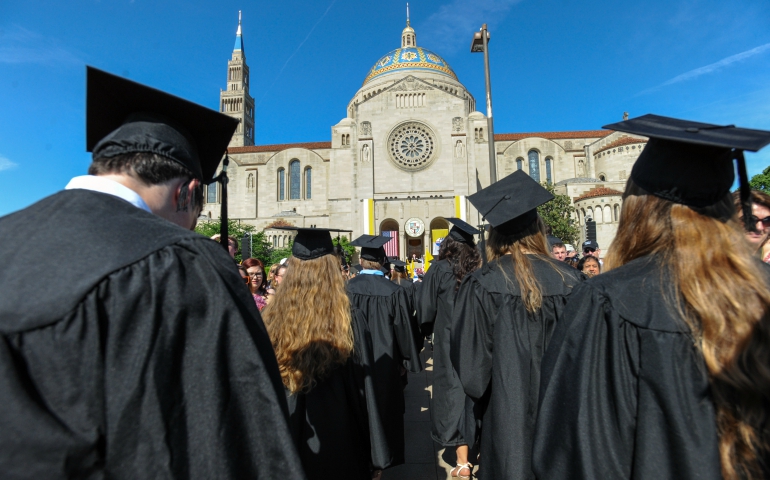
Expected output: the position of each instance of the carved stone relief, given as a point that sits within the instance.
(581, 168)
(366, 129)
(366, 154)
(457, 124)
(410, 84)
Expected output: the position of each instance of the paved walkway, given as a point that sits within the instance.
(425, 459)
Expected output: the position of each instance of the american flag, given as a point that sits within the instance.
(391, 248)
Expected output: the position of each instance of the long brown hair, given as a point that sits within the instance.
(531, 239)
(309, 322)
(724, 300)
(463, 257)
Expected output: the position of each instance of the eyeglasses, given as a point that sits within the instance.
(765, 221)
(256, 274)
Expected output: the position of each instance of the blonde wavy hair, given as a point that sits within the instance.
(724, 300)
(309, 322)
(531, 240)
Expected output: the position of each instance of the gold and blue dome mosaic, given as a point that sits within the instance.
(410, 58)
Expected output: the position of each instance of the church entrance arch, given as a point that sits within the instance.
(389, 228)
(439, 228)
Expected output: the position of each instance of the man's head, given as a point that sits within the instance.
(161, 146)
(232, 244)
(591, 249)
(280, 274)
(559, 251)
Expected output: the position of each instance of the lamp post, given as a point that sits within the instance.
(480, 43)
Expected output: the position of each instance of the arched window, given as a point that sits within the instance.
(519, 163)
(308, 183)
(534, 165)
(617, 212)
(548, 162)
(211, 193)
(294, 180)
(281, 184)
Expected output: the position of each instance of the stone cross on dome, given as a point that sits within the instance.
(408, 38)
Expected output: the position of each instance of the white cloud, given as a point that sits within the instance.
(6, 164)
(19, 45)
(451, 26)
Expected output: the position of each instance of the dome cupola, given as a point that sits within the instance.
(410, 57)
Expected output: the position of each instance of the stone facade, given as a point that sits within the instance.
(408, 153)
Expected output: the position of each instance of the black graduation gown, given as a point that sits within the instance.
(625, 392)
(130, 348)
(497, 345)
(396, 342)
(336, 426)
(435, 304)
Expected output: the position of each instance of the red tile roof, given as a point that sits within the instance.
(620, 142)
(553, 135)
(598, 192)
(279, 147)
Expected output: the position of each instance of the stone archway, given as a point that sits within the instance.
(439, 228)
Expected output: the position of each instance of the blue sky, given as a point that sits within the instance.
(556, 65)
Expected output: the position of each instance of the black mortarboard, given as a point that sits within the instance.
(398, 265)
(127, 117)
(462, 231)
(510, 205)
(311, 243)
(690, 162)
(372, 247)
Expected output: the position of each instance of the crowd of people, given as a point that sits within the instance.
(159, 356)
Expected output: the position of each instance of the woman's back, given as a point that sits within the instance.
(331, 422)
(636, 383)
(496, 347)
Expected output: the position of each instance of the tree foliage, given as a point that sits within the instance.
(260, 248)
(761, 181)
(557, 214)
(346, 247)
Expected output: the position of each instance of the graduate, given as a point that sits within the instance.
(388, 310)
(149, 359)
(504, 315)
(660, 367)
(324, 351)
(458, 257)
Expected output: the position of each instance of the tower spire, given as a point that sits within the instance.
(408, 38)
(238, 36)
(407, 14)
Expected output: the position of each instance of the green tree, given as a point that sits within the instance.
(260, 248)
(557, 214)
(761, 181)
(277, 254)
(346, 247)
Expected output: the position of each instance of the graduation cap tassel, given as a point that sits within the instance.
(745, 194)
(222, 179)
(483, 243)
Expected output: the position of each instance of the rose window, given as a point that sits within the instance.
(412, 146)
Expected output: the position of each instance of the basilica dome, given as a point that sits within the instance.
(410, 58)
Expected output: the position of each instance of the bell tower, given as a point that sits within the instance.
(236, 101)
